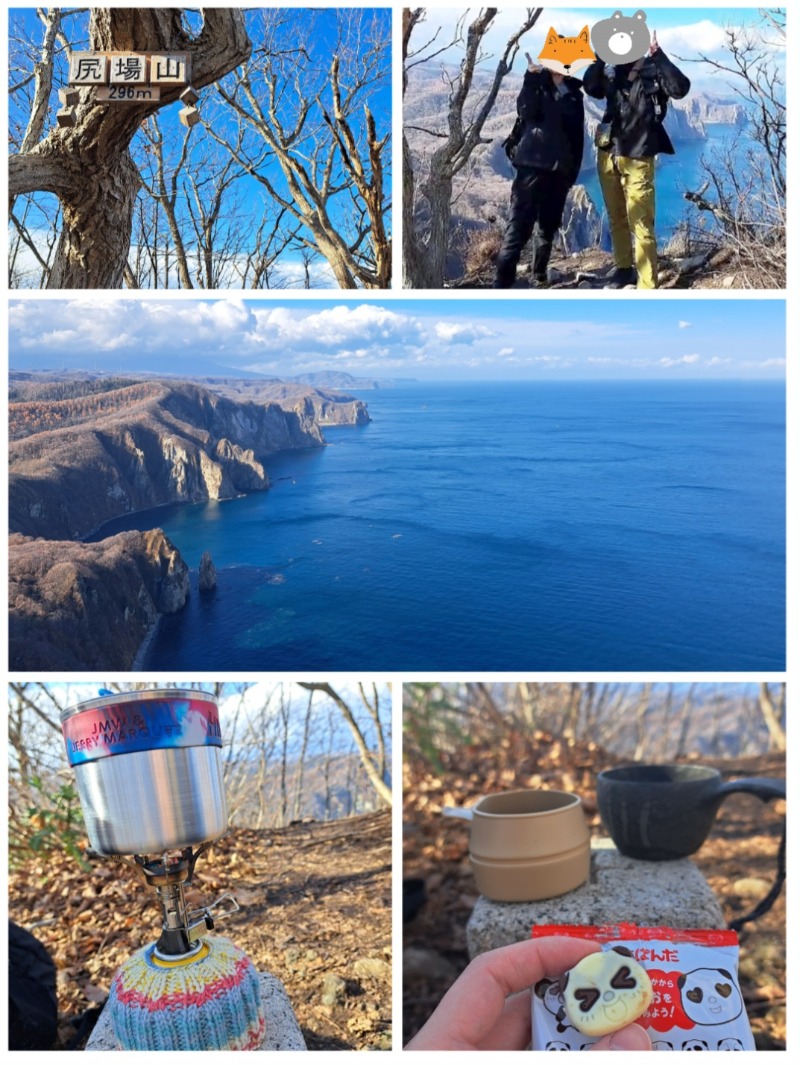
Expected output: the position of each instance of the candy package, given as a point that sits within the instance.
(696, 1002)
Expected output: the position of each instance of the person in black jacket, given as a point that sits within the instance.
(546, 149)
(628, 139)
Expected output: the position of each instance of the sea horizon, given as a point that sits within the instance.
(487, 531)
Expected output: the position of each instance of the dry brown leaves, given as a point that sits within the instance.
(315, 899)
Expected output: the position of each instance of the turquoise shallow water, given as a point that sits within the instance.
(558, 526)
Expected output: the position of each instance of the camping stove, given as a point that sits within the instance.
(170, 874)
(149, 775)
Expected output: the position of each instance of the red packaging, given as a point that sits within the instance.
(697, 1004)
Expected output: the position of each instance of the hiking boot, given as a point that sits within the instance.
(539, 281)
(621, 278)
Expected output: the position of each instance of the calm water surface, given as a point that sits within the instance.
(559, 526)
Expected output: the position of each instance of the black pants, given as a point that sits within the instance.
(537, 200)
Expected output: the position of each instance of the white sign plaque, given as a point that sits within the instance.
(168, 69)
(87, 68)
(128, 69)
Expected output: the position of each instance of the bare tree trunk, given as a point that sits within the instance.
(427, 266)
(43, 79)
(378, 783)
(773, 714)
(89, 166)
(300, 773)
(640, 718)
(685, 721)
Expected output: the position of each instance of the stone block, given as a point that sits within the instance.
(672, 894)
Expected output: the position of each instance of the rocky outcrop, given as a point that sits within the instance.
(208, 573)
(75, 606)
(163, 444)
(582, 224)
(711, 109)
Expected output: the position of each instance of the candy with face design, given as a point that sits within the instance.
(730, 1044)
(557, 1044)
(695, 1044)
(661, 1044)
(606, 991)
(710, 996)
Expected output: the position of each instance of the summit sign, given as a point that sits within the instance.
(128, 76)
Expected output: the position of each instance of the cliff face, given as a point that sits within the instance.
(89, 606)
(323, 406)
(146, 446)
(582, 224)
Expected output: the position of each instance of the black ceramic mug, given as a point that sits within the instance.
(661, 812)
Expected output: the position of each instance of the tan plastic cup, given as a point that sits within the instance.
(528, 845)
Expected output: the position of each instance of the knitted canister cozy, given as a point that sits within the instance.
(211, 1001)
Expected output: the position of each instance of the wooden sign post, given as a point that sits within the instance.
(130, 77)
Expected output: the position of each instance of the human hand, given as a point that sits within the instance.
(533, 66)
(654, 45)
(489, 1005)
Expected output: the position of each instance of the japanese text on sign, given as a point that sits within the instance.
(128, 68)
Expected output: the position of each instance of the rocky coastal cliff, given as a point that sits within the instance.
(89, 606)
(84, 450)
(325, 406)
(149, 444)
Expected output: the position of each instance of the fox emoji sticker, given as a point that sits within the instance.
(566, 55)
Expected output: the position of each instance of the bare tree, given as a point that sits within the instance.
(429, 195)
(745, 183)
(315, 146)
(773, 711)
(371, 763)
(89, 166)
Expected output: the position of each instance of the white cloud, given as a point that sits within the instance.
(764, 364)
(688, 40)
(683, 360)
(684, 325)
(461, 332)
(503, 353)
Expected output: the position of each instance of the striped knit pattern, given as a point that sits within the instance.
(209, 1003)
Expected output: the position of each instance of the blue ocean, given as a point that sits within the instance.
(514, 526)
(677, 173)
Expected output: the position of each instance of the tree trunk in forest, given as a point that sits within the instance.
(89, 166)
(426, 268)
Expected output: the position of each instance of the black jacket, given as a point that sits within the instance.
(636, 108)
(548, 133)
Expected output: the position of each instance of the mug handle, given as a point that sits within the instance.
(765, 788)
(462, 813)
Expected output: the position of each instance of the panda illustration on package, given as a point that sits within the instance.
(549, 991)
(710, 996)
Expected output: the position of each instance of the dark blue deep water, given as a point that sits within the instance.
(558, 526)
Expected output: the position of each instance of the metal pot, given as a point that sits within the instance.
(148, 769)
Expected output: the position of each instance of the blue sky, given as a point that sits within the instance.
(681, 31)
(427, 339)
(247, 199)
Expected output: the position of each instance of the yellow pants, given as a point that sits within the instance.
(629, 192)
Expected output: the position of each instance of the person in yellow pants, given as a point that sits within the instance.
(629, 192)
(628, 139)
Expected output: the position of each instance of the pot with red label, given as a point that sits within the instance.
(148, 769)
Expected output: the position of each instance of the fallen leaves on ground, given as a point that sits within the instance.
(315, 900)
